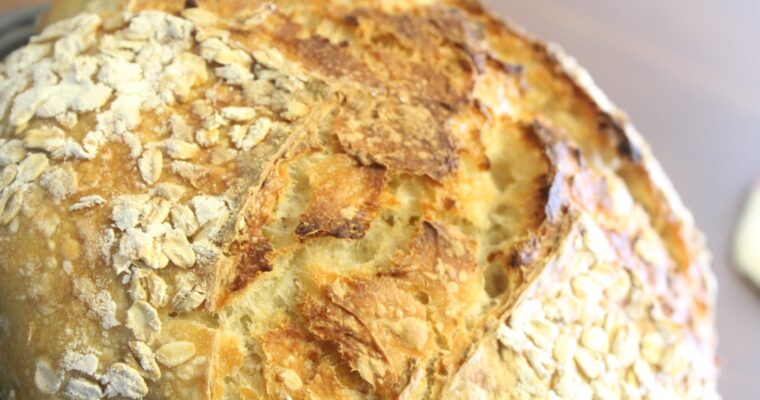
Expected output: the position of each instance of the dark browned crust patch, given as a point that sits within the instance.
(380, 329)
(252, 253)
(417, 69)
(402, 137)
(290, 353)
(257, 258)
(345, 199)
(616, 129)
(440, 264)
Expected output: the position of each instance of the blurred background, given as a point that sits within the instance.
(688, 73)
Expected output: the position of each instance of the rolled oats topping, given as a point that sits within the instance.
(151, 164)
(32, 167)
(47, 379)
(200, 193)
(147, 286)
(209, 208)
(83, 389)
(143, 321)
(11, 202)
(595, 339)
(178, 249)
(88, 202)
(157, 211)
(190, 294)
(170, 191)
(8, 175)
(192, 173)
(12, 152)
(581, 353)
(99, 302)
(122, 380)
(146, 359)
(138, 247)
(183, 219)
(239, 114)
(60, 182)
(255, 134)
(180, 149)
(175, 353)
(76, 361)
(590, 364)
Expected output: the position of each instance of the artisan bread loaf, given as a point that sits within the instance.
(333, 199)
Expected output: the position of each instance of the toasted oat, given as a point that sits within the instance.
(143, 321)
(151, 164)
(129, 210)
(565, 348)
(222, 155)
(234, 74)
(46, 138)
(88, 202)
(147, 286)
(60, 181)
(652, 346)
(178, 249)
(209, 208)
(180, 150)
(146, 359)
(595, 339)
(256, 134)
(32, 167)
(175, 353)
(625, 346)
(99, 302)
(291, 380)
(183, 219)
(84, 363)
(189, 296)
(83, 389)
(200, 16)
(270, 57)
(12, 152)
(157, 211)
(11, 202)
(295, 110)
(122, 380)
(47, 379)
(239, 114)
(137, 246)
(207, 138)
(189, 171)
(214, 49)
(8, 175)
(588, 363)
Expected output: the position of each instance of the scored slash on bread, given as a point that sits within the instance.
(363, 199)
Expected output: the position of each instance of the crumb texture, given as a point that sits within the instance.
(221, 199)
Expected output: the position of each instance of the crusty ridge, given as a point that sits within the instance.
(365, 200)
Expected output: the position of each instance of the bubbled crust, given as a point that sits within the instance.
(343, 199)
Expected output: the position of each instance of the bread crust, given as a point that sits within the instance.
(365, 199)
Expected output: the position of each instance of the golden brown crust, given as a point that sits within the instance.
(363, 199)
(345, 200)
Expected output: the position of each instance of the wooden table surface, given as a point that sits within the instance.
(688, 73)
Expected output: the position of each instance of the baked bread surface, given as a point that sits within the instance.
(333, 199)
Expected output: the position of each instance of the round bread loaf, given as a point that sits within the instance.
(227, 199)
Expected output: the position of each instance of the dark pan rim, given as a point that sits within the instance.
(17, 27)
